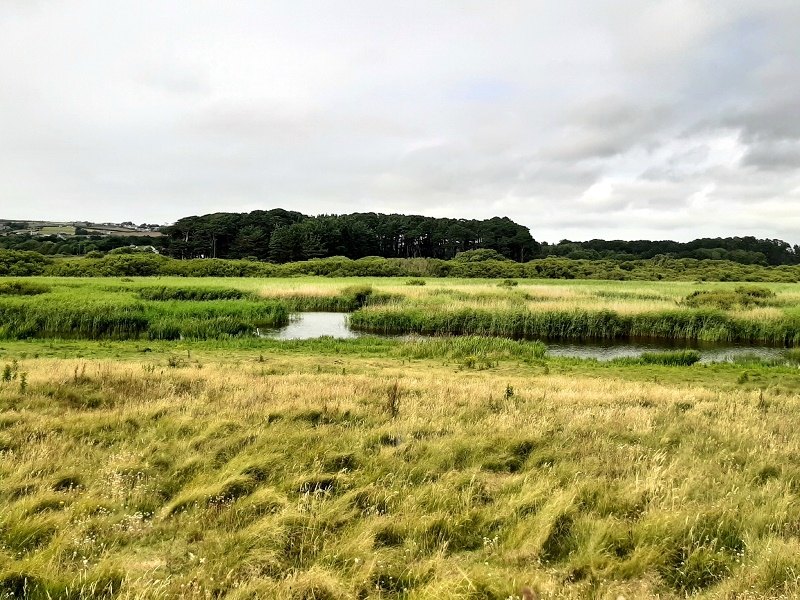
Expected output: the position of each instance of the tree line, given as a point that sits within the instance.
(281, 236)
(746, 250)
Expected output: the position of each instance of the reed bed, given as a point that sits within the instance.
(766, 313)
(22, 288)
(215, 319)
(190, 293)
(674, 324)
(485, 349)
(285, 477)
(71, 316)
(347, 299)
(673, 358)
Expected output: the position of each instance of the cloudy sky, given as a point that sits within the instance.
(578, 118)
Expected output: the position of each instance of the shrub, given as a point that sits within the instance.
(23, 264)
(480, 255)
(677, 358)
(190, 293)
(22, 288)
(744, 296)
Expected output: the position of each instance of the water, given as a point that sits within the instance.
(312, 325)
(609, 350)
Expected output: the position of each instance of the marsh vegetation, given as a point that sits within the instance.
(150, 449)
(173, 308)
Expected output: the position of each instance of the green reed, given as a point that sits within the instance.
(683, 324)
(119, 317)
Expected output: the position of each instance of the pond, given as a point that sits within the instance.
(312, 325)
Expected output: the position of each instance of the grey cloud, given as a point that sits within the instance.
(602, 119)
(679, 165)
(774, 155)
(605, 127)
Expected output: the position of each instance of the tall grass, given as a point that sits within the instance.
(682, 324)
(22, 288)
(164, 292)
(118, 318)
(283, 477)
(479, 348)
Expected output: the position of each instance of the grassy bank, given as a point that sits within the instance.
(388, 469)
(675, 324)
(86, 311)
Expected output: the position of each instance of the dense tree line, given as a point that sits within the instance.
(746, 250)
(283, 236)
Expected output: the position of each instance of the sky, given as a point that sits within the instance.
(581, 119)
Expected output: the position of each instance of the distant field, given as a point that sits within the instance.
(52, 229)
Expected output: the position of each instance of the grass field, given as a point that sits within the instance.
(54, 229)
(209, 463)
(387, 469)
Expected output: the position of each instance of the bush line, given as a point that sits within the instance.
(24, 263)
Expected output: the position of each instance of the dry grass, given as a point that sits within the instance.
(342, 477)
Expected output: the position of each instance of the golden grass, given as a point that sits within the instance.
(287, 477)
(289, 289)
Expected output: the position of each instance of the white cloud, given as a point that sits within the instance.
(605, 119)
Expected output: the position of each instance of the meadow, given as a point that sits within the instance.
(211, 463)
(391, 469)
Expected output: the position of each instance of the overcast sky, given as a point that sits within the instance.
(577, 118)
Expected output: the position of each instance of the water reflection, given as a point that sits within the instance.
(606, 350)
(312, 325)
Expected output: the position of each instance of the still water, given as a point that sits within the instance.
(311, 325)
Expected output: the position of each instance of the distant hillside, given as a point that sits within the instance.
(34, 228)
(75, 237)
